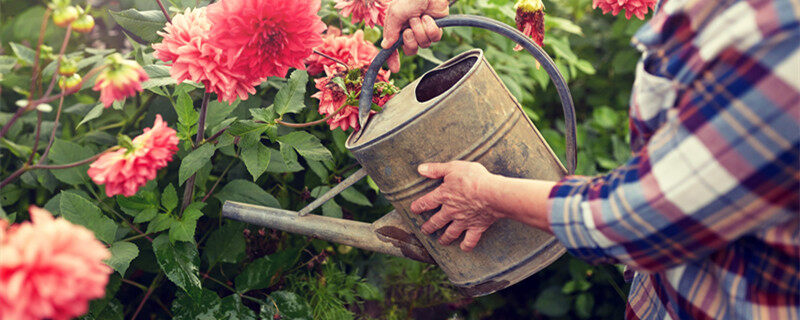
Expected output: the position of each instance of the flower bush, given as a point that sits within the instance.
(131, 126)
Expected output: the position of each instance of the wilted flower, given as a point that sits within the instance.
(530, 20)
(638, 8)
(372, 12)
(353, 50)
(50, 268)
(186, 49)
(332, 96)
(124, 170)
(119, 78)
(265, 37)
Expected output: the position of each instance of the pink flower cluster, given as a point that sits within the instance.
(49, 268)
(119, 79)
(372, 12)
(353, 50)
(233, 45)
(638, 8)
(125, 170)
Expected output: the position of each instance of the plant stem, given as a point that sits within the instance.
(308, 124)
(188, 192)
(58, 63)
(38, 134)
(28, 167)
(53, 134)
(135, 284)
(216, 135)
(142, 109)
(216, 183)
(147, 295)
(166, 15)
(35, 76)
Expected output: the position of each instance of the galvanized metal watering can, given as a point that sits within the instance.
(460, 110)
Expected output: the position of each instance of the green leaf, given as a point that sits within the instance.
(143, 24)
(122, 253)
(285, 305)
(352, 195)
(194, 161)
(255, 276)
(225, 244)
(551, 302)
(243, 127)
(306, 145)
(289, 99)
(563, 24)
(184, 107)
(160, 223)
(183, 229)
(255, 155)
(584, 304)
(179, 262)
(64, 152)
(266, 115)
(159, 76)
(133, 205)
(288, 157)
(145, 215)
(80, 211)
(245, 191)
(24, 53)
(169, 198)
(585, 66)
(209, 306)
(605, 117)
(92, 114)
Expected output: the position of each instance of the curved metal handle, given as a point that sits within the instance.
(365, 100)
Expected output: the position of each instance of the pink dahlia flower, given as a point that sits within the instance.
(119, 79)
(124, 170)
(265, 37)
(186, 49)
(353, 50)
(331, 96)
(638, 8)
(50, 268)
(372, 12)
(530, 20)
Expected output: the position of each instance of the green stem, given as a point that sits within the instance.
(188, 192)
(148, 293)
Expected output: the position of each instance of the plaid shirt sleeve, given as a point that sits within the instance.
(721, 158)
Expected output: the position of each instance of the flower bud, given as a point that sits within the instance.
(63, 16)
(72, 82)
(83, 24)
(119, 79)
(44, 107)
(68, 67)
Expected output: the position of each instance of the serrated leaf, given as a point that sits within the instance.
(122, 253)
(210, 306)
(179, 262)
(285, 305)
(24, 53)
(254, 276)
(92, 114)
(194, 161)
(169, 198)
(143, 24)
(289, 99)
(160, 223)
(243, 127)
(159, 76)
(145, 215)
(245, 191)
(63, 152)
(266, 115)
(306, 145)
(225, 244)
(352, 195)
(183, 229)
(255, 155)
(80, 211)
(184, 107)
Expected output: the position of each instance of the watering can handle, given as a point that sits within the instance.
(365, 100)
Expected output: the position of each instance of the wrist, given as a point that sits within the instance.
(491, 191)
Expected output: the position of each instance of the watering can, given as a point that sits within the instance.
(459, 110)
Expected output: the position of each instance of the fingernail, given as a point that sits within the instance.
(383, 43)
(423, 168)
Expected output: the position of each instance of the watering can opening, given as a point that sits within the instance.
(439, 80)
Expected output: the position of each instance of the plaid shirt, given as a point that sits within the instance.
(707, 210)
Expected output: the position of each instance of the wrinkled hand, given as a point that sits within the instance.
(462, 201)
(418, 15)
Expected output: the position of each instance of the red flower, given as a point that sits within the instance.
(638, 8)
(119, 79)
(372, 12)
(331, 96)
(187, 50)
(530, 20)
(125, 170)
(353, 50)
(265, 37)
(50, 268)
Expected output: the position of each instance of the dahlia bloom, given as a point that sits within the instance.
(638, 8)
(186, 49)
(353, 50)
(124, 170)
(265, 37)
(372, 12)
(530, 20)
(50, 268)
(331, 96)
(119, 79)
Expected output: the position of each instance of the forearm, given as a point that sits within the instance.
(524, 200)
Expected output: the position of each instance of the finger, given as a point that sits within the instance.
(438, 8)
(419, 32)
(471, 239)
(409, 43)
(431, 29)
(437, 221)
(452, 232)
(394, 62)
(428, 202)
(392, 25)
(435, 170)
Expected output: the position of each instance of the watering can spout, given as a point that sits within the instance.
(387, 235)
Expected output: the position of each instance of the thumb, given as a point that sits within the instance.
(434, 170)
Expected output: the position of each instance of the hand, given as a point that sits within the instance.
(462, 199)
(418, 15)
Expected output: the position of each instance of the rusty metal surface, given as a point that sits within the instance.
(346, 183)
(400, 242)
(475, 118)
